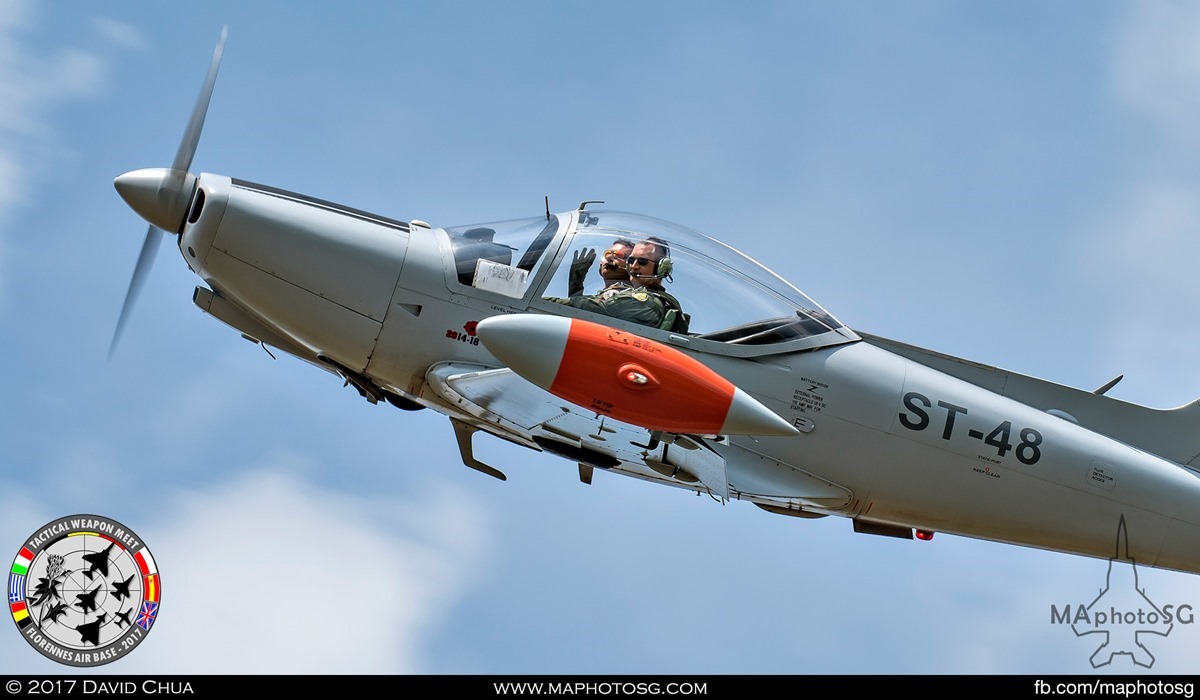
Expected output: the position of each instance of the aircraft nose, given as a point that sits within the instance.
(158, 195)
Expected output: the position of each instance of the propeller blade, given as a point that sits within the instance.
(140, 271)
(170, 190)
(174, 181)
(191, 137)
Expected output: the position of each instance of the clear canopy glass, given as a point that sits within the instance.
(731, 298)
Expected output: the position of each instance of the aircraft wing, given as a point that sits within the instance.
(1170, 433)
(499, 401)
(504, 404)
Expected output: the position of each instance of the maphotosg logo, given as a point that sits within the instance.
(84, 590)
(1122, 616)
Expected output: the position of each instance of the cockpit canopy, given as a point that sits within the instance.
(736, 305)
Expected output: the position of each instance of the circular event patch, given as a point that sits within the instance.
(84, 590)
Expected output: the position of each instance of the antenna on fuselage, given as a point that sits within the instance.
(1104, 389)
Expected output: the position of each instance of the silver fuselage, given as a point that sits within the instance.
(888, 441)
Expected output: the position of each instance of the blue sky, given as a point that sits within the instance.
(1010, 182)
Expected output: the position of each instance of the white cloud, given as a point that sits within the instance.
(33, 80)
(1142, 265)
(1143, 262)
(268, 574)
(1158, 65)
(10, 182)
(20, 512)
(1155, 243)
(120, 34)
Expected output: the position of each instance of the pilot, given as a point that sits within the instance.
(649, 264)
(642, 299)
(612, 267)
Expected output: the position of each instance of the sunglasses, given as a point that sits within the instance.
(640, 261)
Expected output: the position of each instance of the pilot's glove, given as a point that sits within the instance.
(581, 262)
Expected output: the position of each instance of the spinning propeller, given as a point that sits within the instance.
(162, 195)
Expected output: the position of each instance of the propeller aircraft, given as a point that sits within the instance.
(765, 397)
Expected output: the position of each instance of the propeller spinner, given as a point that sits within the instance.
(161, 195)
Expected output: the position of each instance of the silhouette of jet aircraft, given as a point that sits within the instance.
(120, 589)
(122, 618)
(98, 561)
(90, 632)
(87, 600)
(1123, 592)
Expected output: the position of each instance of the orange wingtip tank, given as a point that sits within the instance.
(625, 376)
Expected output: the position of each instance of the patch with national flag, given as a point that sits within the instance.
(16, 588)
(21, 615)
(84, 589)
(151, 588)
(145, 562)
(146, 617)
(21, 563)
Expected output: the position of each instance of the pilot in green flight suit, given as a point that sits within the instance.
(642, 299)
